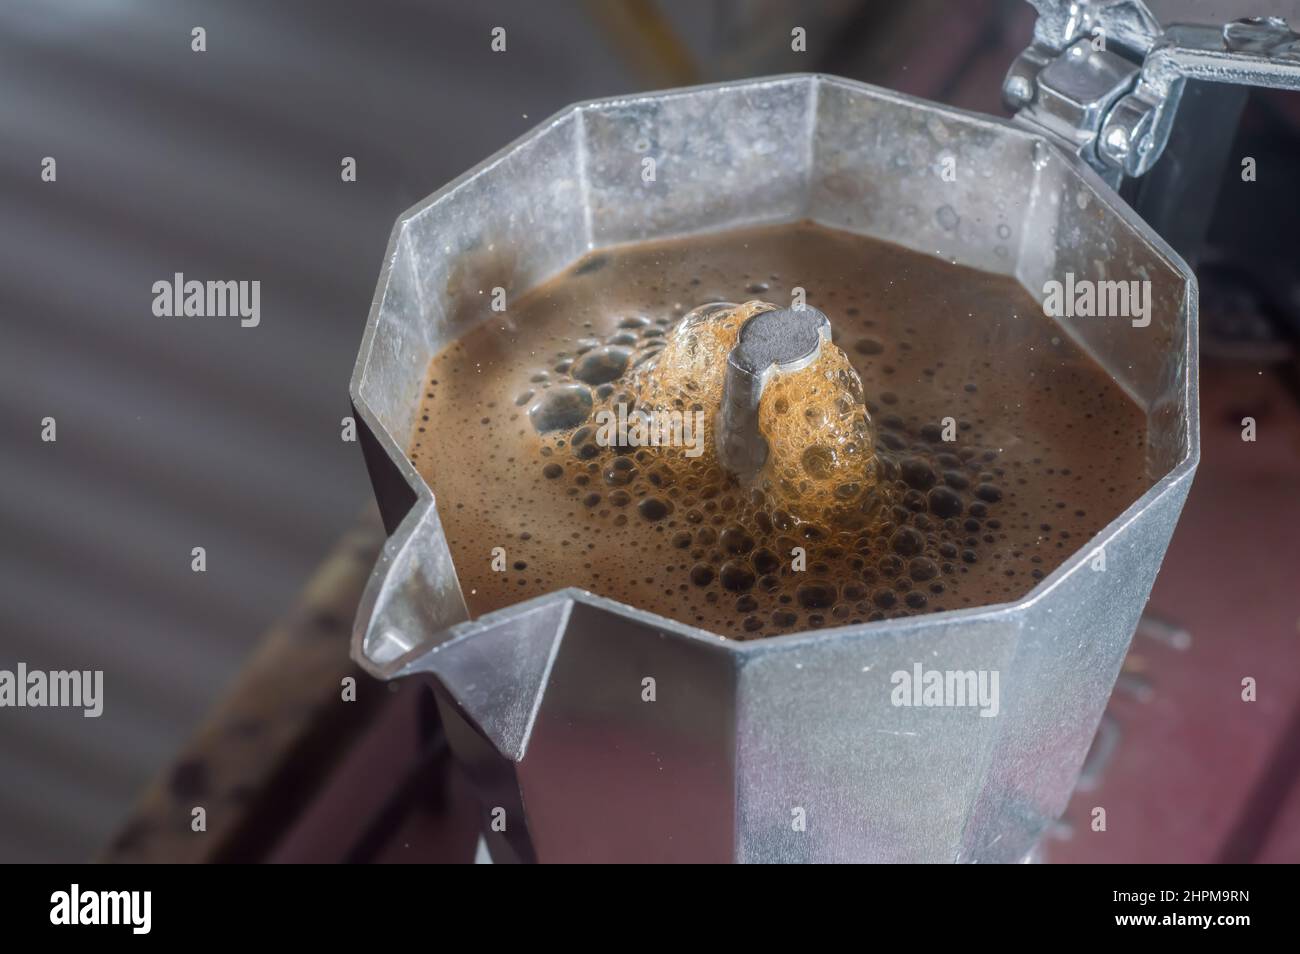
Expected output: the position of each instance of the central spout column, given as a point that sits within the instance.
(769, 344)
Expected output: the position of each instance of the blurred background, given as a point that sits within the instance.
(174, 434)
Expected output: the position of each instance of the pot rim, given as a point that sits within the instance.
(425, 500)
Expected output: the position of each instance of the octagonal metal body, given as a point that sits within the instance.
(788, 748)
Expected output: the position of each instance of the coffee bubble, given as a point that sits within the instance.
(600, 365)
(561, 408)
(868, 505)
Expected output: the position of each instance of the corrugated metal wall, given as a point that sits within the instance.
(176, 433)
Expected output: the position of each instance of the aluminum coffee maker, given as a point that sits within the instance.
(788, 749)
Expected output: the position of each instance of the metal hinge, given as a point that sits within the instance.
(1104, 78)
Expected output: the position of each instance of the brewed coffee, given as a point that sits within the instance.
(951, 448)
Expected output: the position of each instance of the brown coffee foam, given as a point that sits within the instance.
(1045, 436)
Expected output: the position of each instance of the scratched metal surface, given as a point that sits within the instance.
(530, 694)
